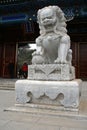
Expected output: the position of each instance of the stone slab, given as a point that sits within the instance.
(57, 93)
(50, 111)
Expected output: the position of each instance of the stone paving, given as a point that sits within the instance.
(34, 121)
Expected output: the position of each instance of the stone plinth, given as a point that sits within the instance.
(57, 93)
(52, 72)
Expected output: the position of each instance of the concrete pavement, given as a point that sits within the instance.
(34, 121)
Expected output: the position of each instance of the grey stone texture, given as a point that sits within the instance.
(52, 72)
(51, 77)
(13, 120)
(53, 56)
(53, 44)
(59, 93)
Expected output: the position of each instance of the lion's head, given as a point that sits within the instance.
(51, 16)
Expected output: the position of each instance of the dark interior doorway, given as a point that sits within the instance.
(7, 55)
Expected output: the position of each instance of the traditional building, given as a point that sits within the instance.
(18, 26)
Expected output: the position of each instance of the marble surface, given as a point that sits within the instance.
(53, 44)
(65, 93)
(51, 72)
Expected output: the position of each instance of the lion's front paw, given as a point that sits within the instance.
(60, 61)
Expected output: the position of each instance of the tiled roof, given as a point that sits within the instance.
(4, 2)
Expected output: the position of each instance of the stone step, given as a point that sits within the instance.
(7, 84)
(7, 87)
(48, 110)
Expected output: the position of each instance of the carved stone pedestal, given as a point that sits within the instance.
(51, 72)
(55, 93)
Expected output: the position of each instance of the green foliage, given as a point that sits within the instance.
(24, 55)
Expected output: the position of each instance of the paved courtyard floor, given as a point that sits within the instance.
(33, 121)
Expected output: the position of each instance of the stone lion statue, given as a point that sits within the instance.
(53, 44)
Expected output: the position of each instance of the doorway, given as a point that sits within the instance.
(79, 59)
(7, 55)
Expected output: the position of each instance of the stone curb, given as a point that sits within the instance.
(46, 112)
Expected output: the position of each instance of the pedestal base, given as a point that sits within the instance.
(57, 93)
(51, 72)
